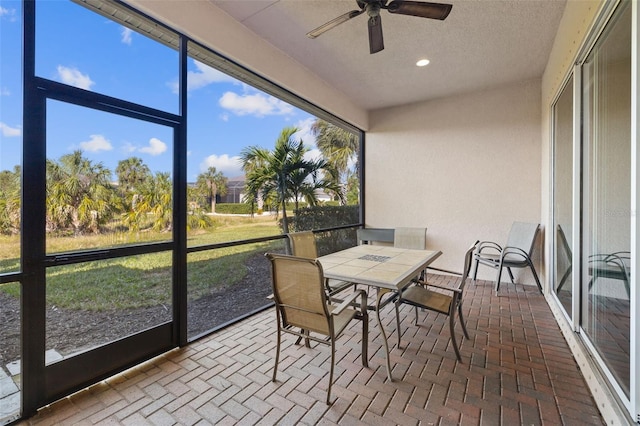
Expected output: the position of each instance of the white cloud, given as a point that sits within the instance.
(96, 143)
(9, 14)
(257, 104)
(206, 75)
(128, 147)
(8, 131)
(155, 147)
(203, 76)
(73, 77)
(229, 166)
(5, 91)
(126, 35)
(312, 155)
(304, 132)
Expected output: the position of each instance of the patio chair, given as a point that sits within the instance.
(303, 244)
(445, 300)
(412, 238)
(562, 242)
(615, 266)
(515, 254)
(301, 302)
(375, 236)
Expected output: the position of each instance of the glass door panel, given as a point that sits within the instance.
(225, 284)
(108, 179)
(11, 125)
(109, 251)
(606, 276)
(81, 48)
(10, 384)
(563, 196)
(94, 303)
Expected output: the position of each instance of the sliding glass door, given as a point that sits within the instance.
(563, 197)
(593, 214)
(606, 227)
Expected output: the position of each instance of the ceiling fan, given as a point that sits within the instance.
(372, 7)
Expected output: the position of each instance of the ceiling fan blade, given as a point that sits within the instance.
(376, 42)
(418, 8)
(334, 23)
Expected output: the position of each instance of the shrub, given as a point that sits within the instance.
(233, 208)
(320, 217)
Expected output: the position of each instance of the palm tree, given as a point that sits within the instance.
(285, 173)
(10, 201)
(79, 194)
(131, 173)
(155, 198)
(305, 181)
(253, 158)
(338, 146)
(211, 183)
(353, 189)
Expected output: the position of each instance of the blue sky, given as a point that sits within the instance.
(86, 50)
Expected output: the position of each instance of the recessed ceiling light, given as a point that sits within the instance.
(422, 62)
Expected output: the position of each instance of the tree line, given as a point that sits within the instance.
(82, 197)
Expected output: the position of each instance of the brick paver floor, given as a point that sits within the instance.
(516, 369)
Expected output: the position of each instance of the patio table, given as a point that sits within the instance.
(387, 269)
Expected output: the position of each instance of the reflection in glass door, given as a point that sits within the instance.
(563, 196)
(606, 276)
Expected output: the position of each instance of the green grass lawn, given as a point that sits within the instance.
(144, 280)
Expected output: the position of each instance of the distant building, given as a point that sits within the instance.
(235, 191)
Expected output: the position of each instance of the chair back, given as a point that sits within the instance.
(298, 292)
(564, 243)
(468, 260)
(523, 236)
(374, 235)
(410, 238)
(303, 244)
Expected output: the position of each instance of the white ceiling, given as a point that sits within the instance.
(483, 43)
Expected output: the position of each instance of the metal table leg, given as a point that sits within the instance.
(381, 293)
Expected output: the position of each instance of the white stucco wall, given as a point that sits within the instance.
(466, 167)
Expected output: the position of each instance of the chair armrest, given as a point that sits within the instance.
(349, 301)
(612, 259)
(513, 250)
(431, 268)
(619, 256)
(622, 254)
(443, 287)
(490, 245)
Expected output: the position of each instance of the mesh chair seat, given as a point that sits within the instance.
(303, 307)
(336, 286)
(515, 254)
(447, 300)
(510, 260)
(303, 244)
(413, 239)
(421, 296)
